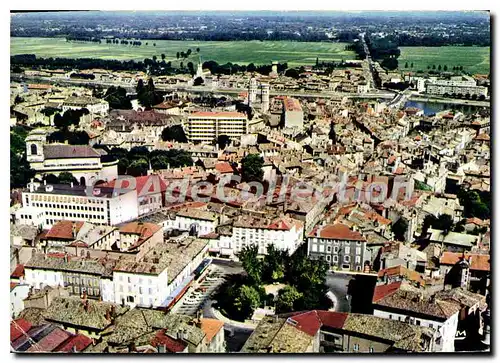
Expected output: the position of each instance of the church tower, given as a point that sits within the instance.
(34, 145)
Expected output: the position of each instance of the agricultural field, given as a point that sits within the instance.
(473, 59)
(241, 52)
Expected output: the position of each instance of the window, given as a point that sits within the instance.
(417, 322)
(130, 299)
(358, 250)
(356, 347)
(347, 258)
(328, 249)
(328, 257)
(348, 249)
(390, 316)
(335, 259)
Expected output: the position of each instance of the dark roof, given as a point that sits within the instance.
(59, 151)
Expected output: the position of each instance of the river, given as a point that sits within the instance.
(431, 108)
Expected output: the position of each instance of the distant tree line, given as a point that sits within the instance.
(82, 39)
(233, 68)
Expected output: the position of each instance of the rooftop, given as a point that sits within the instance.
(63, 151)
(223, 114)
(337, 231)
(171, 255)
(71, 310)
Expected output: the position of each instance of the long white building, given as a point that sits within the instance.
(207, 126)
(43, 205)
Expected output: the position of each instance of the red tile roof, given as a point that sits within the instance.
(51, 341)
(382, 291)
(79, 342)
(311, 321)
(63, 230)
(478, 262)
(474, 220)
(402, 271)
(211, 327)
(308, 322)
(336, 231)
(16, 330)
(332, 319)
(218, 114)
(18, 272)
(145, 230)
(224, 168)
(172, 345)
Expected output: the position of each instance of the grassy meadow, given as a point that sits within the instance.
(473, 59)
(241, 52)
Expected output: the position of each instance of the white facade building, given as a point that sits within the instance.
(207, 126)
(43, 205)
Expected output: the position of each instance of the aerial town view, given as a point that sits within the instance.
(250, 182)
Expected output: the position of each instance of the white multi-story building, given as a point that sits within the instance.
(161, 275)
(200, 222)
(341, 247)
(207, 126)
(398, 301)
(293, 114)
(455, 85)
(284, 233)
(84, 162)
(43, 205)
(94, 105)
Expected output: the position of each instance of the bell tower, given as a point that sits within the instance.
(34, 145)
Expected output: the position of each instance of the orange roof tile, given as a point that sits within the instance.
(211, 327)
(382, 291)
(63, 230)
(337, 231)
(478, 262)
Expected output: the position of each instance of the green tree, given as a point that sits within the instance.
(163, 56)
(17, 143)
(251, 168)
(198, 81)
(174, 133)
(287, 299)
(445, 68)
(67, 178)
(251, 263)
(406, 65)
(292, 73)
(117, 98)
(155, 58)
(439, 67)
(411, 65)
(247, 299)
(178, 55)
(138, 167)
(433, 66)
(251, 68)
(274, 264)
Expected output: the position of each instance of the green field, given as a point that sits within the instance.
(473, 59)
(241, 52)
